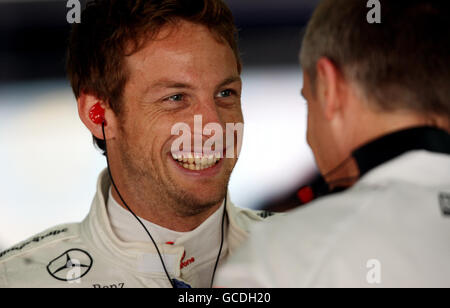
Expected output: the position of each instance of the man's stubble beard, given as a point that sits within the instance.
(153, 189)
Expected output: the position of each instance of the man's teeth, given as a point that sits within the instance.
(196, 161)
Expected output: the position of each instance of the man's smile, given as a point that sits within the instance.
(197, 161)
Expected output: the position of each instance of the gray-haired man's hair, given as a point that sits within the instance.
(401, 63)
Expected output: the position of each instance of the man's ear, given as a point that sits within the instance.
(85, 104)
(327, 89)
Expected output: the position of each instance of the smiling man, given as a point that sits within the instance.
(160, 218)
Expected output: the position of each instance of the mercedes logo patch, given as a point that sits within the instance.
(71, 265)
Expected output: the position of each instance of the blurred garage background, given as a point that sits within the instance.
(48, 165)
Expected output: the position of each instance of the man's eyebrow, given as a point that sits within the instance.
(166, 83)
(173, 84)
(229, 80)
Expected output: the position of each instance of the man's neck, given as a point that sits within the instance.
(165, 216)
(372, 125)
(381, 124)
(349, 171)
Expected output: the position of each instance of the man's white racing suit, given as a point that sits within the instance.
(89, 254)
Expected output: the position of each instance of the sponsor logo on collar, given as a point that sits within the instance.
(183, 263)
(186, 263)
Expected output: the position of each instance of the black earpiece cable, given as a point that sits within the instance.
(143, 226)
(221, 241)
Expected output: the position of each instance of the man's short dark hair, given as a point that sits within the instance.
(112, 29)
(401, 63)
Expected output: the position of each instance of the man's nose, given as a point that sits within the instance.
(208, 111)
(207, 122)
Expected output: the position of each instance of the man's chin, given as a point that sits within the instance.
(195, 201)
(198, 190)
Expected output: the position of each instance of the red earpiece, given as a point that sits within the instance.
(97, 114)
(305, 194)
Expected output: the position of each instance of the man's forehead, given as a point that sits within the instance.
(176, 37)
(182, 61)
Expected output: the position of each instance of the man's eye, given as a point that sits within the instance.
(175, 98)
(226, 93)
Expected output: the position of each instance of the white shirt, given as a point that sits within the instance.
(389, 230)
